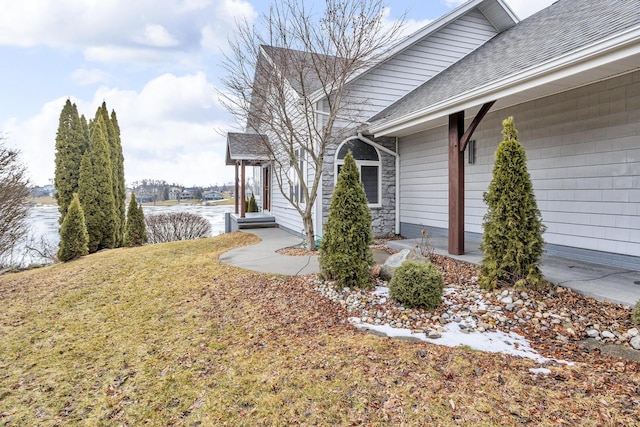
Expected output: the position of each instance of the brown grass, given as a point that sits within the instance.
(168, 335)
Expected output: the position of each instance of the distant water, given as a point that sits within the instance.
(43, 225)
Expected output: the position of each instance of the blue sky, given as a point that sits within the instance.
(156, 62)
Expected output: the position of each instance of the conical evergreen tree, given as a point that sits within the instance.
(95, 189)
(117, 162)
(136, 231)
(345, 255)
(512, 243)
(71, 143)
(73, 233)
(117, 169)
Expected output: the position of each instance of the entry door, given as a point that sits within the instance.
(266, 188)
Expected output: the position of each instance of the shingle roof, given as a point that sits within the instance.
(246, 146)
(563, 27)
(303, 70)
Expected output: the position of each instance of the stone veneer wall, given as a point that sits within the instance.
(384, 217)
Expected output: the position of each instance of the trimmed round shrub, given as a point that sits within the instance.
(635, 315)
(417, 284)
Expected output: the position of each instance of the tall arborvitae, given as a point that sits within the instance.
(73, 233)
(345, 255)
(117, 169)
(71, 143)
(117, 162)
(512, 243)
(136, 231)
(95, 189)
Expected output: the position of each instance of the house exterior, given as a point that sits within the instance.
(570, 77)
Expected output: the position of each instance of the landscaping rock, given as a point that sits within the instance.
(396, 260)
(635, 342)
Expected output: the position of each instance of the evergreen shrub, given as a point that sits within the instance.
(512, 242)
(73, 233)
(345, 255)
(136, 230)
(252, 205)
(417, 284)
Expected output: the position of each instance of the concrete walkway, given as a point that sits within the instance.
(601, 282)
(263, 257)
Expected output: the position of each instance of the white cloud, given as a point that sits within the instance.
(168, 131)
(83, 76)
(453, 3)
(525, 8)
(156, 35)
(113, 31)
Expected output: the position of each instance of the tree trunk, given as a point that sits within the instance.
(307, 221)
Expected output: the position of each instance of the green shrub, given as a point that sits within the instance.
(417, 284)
(252, 206)
(135, 231)
(73, 233)
(512, 242)
(635, 315)
(345, 255)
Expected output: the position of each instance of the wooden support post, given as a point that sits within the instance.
(243, 194)
(456, 184)
(458, 139)
(236, 190)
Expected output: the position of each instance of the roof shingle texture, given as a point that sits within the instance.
(247, 146)
(560, 29)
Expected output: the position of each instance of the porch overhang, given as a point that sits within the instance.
(245, 149)
(613, 56)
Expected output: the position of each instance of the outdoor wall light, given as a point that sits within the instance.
(471, 149)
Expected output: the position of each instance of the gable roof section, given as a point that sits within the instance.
(251, 147)
(496, 11)
(300, 68)
(561, 37)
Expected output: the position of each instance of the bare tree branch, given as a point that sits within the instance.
(14, 193)
(288, 78)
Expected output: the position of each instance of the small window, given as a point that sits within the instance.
(296, 192)
(368, 162)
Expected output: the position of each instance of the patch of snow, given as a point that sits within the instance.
(452, 336)
(541, 371)
(381, 291)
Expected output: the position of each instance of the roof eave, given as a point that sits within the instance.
(611, 49)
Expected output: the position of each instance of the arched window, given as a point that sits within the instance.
(368, 162)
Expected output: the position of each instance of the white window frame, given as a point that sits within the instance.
(339, 162)
(295, 185)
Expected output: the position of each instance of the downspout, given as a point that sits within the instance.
(397, 156)
(397, 189)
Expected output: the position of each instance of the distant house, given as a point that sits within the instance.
(211, 195)
(175, 193)
(570, 76)
(188, 194)
(43, 191)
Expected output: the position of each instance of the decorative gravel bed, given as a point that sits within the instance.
(554, 319)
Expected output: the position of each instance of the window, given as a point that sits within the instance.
(296, 192)
(368, 162)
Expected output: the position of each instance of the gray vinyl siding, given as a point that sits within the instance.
(424, 179)
(583, 155)
(388, 82)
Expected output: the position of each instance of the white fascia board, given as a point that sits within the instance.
(598, 54)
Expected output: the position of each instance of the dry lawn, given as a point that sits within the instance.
(168, 335)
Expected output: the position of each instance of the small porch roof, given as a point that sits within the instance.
(250, 147)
